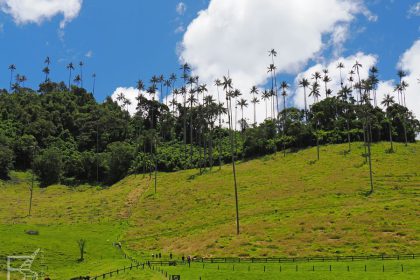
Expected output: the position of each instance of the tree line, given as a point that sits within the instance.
(65, 136)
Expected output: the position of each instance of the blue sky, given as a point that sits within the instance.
(123, 41)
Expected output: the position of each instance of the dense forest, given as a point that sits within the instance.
(65, 136)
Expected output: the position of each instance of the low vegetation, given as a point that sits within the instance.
(293, 206)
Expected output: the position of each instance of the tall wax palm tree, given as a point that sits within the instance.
(357, 67)
(81, 73)
(315, 93)
(22, 80)
(373, 78)
(387, 102)
(94, 82)
(284, 86)
(340, 67)
(273, 54)
(368, 128)
(326, 79)
(185, 75)
(305, 84)
(344, 94)
(12, 68)
(153, 143)
(172, 80)
(242, 103)
(236, 94)
(46, 71)
(70, 67)
(316, 76)
(255, 101)
(192, 100)
(272, 70)
(227, 87)
(47, 61)
(167, 84)
(77, 80)
(265, 97)
(218, 84)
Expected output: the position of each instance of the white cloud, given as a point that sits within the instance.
(367, 61)
(89, 54)
(410, 62)
(130, 93)
(180, 29)
(236, 35)
(181, 8)
(414, 10)
(37, 11)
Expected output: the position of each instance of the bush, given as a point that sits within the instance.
(6, 161)
(48, 167)
(119, 162)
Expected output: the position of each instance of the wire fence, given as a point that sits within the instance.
(307, 259)
(158, 266)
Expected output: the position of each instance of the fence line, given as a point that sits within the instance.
(306, 259)
(151, 264)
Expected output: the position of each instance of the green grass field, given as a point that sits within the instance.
(292, 206)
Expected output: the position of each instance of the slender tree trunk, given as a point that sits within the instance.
(370, 157)
(348, 134)
(31, 193)
(93, 87)
(11, 79)
(156, 166)
(191, 130)
(390, 135)
(185, 126)
(317, 140)
(69, 79)
(233, 166)
(306, 109)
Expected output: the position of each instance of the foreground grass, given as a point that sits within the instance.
(339, 270)
(292, 206)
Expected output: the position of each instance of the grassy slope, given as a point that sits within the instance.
(288, 206)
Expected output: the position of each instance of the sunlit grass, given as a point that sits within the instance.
(292, 206)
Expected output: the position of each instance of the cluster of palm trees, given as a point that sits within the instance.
(193, 105)
(77, 80)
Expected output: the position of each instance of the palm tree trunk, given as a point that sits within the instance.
(390, 135)
(185, 126)
(370, 157)
(11, 79)
(156, 165)
(233, 168)
(317, 140)
(348, 133)
(191, 133)
(306, 109)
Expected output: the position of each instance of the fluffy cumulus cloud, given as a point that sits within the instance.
(181, 8)
(130, 93)
(37, 11)
(236, 35)
(410, 62)
(414, 10)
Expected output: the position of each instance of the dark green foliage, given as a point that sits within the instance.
(48, 166)
(76, 140)
(6, 161)
(120, 157)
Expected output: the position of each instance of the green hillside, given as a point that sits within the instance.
(289, 206)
